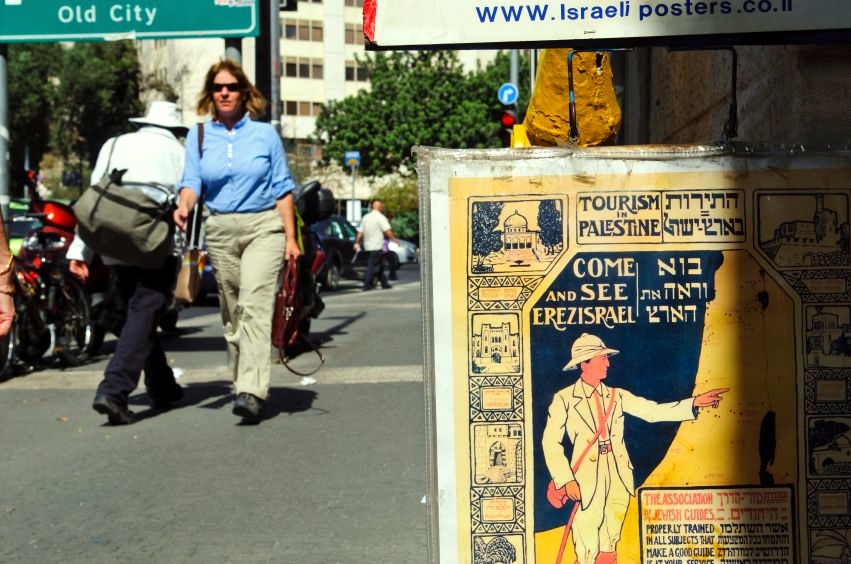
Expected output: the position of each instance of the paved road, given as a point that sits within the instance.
(335, 474)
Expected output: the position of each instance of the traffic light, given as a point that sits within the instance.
(507, 121)
(30, 179)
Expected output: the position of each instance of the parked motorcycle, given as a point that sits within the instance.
(53, 312)
(51, 241)
(314, 203)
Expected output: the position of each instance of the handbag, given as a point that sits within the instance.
(189, 276)
(192, 267)
(129, 221)
(288, 313)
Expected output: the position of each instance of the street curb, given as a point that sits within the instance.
(89, 379)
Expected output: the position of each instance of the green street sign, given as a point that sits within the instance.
(29, 21)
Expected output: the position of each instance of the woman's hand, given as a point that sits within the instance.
(7, 314)
(186, 200)
(292, 251)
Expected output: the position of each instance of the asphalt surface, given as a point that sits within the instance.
(335, 473)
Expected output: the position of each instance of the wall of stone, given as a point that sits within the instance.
(786, 94)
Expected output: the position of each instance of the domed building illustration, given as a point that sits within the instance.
(522, 235)
(516, 235)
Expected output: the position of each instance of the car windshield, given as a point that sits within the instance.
(19, 226)
(349, 232)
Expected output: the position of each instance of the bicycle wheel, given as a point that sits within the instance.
(72, 321)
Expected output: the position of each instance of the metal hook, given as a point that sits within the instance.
(732, 124)
(573, 131)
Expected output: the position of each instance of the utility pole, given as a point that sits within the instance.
(262, 62)
(275, 63)
(513, 77)
(4, 132)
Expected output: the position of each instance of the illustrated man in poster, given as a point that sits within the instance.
(599, 474)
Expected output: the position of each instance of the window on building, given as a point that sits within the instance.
(354, 34)
(290, 28)
(302, 108)
(296, 67)
(354, 3)
(316, 31)
(356, 73)
(291, 68)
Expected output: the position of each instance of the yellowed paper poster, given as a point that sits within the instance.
(639, 355)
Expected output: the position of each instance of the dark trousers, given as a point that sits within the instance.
(391, 270)
(373, 269)
(146, 293)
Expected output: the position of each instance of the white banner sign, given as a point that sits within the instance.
(409, 23)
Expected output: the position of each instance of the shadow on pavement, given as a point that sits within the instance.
(219, 395)
(320, 338)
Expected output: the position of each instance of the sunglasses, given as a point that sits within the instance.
(231, 86)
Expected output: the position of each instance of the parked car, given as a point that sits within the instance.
(337, 236)
(18, 224)
(403, 253)
(17, 228)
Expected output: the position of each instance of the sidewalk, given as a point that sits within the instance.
(335, 474)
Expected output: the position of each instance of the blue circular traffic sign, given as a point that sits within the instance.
(507, 94)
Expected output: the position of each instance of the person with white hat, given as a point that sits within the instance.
(598, 476)
(151, 154)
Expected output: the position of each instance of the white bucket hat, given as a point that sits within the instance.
(586, 347)
(162, 114)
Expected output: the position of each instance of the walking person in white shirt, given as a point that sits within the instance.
(152, 154)
(374, 228)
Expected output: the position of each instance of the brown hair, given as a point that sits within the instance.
(253, 101)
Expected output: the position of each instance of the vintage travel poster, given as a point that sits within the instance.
(638, 354)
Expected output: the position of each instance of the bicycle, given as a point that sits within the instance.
(53, 314)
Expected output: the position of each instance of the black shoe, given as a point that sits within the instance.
(116, 412)
(165, 398)
(249, 407)
(387, 287)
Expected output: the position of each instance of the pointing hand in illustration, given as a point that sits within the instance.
(711, 398)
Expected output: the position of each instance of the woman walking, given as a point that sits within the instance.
(247, 189)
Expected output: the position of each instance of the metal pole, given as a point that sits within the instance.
(354, 215)
(4, 132)
(275, 63)
(513, 72)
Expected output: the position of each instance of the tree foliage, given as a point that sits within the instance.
(31, 101)
(98, 88)
(401, 201)
(90, 91)
(550, 224)
(486, 239)
(415, 98)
